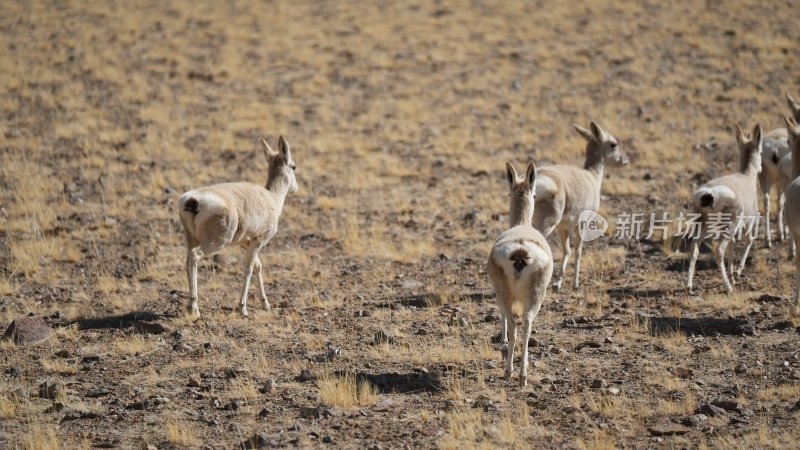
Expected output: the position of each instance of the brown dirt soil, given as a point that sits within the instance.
(401, 116)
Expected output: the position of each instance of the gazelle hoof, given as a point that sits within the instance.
(557, 285)
(266, 305)
(523, 381)
(507, 375)
(244, 312)
(193, 310)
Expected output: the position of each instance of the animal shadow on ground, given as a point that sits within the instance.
(140, 320)
(433, 299)
(403, 383)
(701, 326)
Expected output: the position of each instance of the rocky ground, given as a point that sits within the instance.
(383, 332)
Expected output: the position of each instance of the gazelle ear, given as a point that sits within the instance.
(737, 129)
(757, 134)
(283, 147)
(268, 151)
(791, 125)
(597, 132)
(793, 104)
(530, 175)
(511, 175)
(583, 132)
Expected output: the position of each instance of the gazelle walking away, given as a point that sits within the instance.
(776, 170)
(564, 192)
(217, 216)
(520, 267)
(733, 200)
(791, 208)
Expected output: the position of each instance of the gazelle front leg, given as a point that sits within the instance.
(781, 225)
(723, 246)
(693, 261)
(578, 253)
(767, 234)
(191, 272)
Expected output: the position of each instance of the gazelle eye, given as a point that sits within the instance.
(613, 145)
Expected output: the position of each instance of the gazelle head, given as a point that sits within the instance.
(281, 164)
(750, 148)
(604, 143)
(522, 193)
(794, 105)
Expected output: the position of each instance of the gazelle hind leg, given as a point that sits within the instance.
(723, 246)
(261, 282)
(567, 251)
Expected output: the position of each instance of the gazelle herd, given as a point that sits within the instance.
(520, 263)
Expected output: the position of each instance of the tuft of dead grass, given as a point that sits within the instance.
(345, 391)
(181, 433)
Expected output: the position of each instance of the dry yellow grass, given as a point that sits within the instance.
(135, 345)
(596, 440)
(8, 405)
(464, 429)
(345, 392)
(58, 366)
(181, 433)
(39, 437)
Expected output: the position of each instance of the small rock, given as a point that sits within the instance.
(98, 392)
(90, 358)
(62, 354)
(28, 331)
(269, 386)
(598, 383)
(51, 390)
(13, 372)
(256, 441)
(472, 216)
(608, 340)
(305, 375)
(309, 412)
(194, 381)
(463, 322)
(235, 372)
(667, 429)
(726, 403)
(327, 440)
(233, 405)
(613, 391)
(383, 405)
(694, 420)
(710, 410)
(55, 407)
(740, 368)
(264, 413)
(383, 337)
(169, 190)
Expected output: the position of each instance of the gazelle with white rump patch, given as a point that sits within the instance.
(733, 200)
(776, 170)
(221, 215)
(564, 192)
(520, 267)
(791, 208)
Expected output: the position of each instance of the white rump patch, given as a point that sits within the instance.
(537, 257)
(722, 195)
(545, 186)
